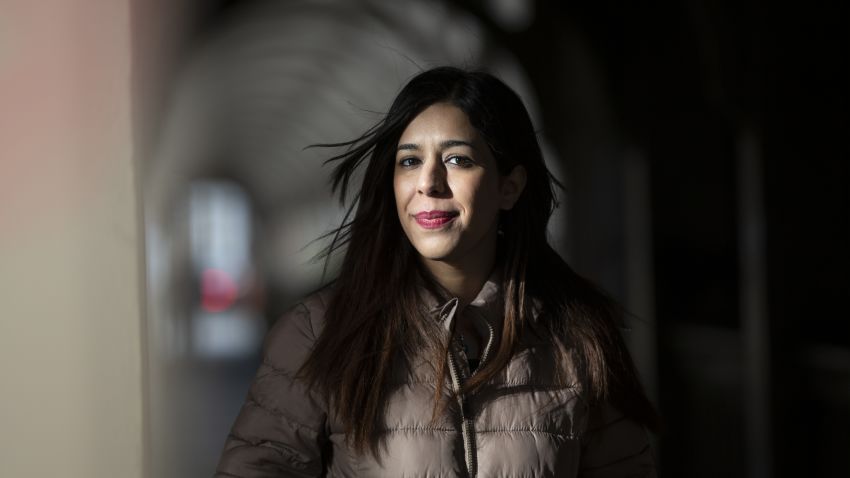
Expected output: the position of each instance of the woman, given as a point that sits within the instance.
(455, 341)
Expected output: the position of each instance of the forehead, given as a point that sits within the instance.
(438, 122)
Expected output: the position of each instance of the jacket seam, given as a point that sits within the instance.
(309, 319)
(590, 431)
(570, 436)
(277, 370)
(418, 429)
(536, 385)
(292, 378)
(285, 451)
(281, 415)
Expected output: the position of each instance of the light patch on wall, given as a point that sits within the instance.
(512, 15)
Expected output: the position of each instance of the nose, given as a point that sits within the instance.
(432, 178)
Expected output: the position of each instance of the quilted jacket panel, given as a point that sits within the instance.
(520, 424)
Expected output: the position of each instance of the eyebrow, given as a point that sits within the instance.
(443, 145)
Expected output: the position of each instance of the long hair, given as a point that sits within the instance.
(374, 319)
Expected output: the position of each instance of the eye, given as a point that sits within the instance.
(461, 161)
(408, 161)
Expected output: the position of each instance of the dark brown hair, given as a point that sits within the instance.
(374, 319)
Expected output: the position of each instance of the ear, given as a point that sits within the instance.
(511, 186)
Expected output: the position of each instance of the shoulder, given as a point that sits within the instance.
(291, 338)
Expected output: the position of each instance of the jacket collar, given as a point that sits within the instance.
(487, 304)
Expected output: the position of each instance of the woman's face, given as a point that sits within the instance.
(448, 189)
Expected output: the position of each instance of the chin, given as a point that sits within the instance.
(442, 252)
(435, 255)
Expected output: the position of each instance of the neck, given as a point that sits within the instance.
(463, 278)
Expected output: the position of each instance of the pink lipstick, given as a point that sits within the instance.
(435, 219)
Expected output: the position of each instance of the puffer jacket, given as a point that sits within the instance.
(520, 425)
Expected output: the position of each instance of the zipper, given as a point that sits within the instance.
(465, 416)
(458, 377)
(488, 346)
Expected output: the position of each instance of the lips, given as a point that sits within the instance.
(435, 219)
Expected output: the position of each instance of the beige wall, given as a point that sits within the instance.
(70, 240)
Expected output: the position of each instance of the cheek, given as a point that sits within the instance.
(402, 195)
(484, 199)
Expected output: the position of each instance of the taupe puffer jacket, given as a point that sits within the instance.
(521, 426)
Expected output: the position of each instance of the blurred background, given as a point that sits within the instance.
(170, 207)
(704, 148)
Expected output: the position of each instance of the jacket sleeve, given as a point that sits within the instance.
(615, 446)
(281, 429)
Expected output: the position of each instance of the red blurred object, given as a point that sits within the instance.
(218, 290)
